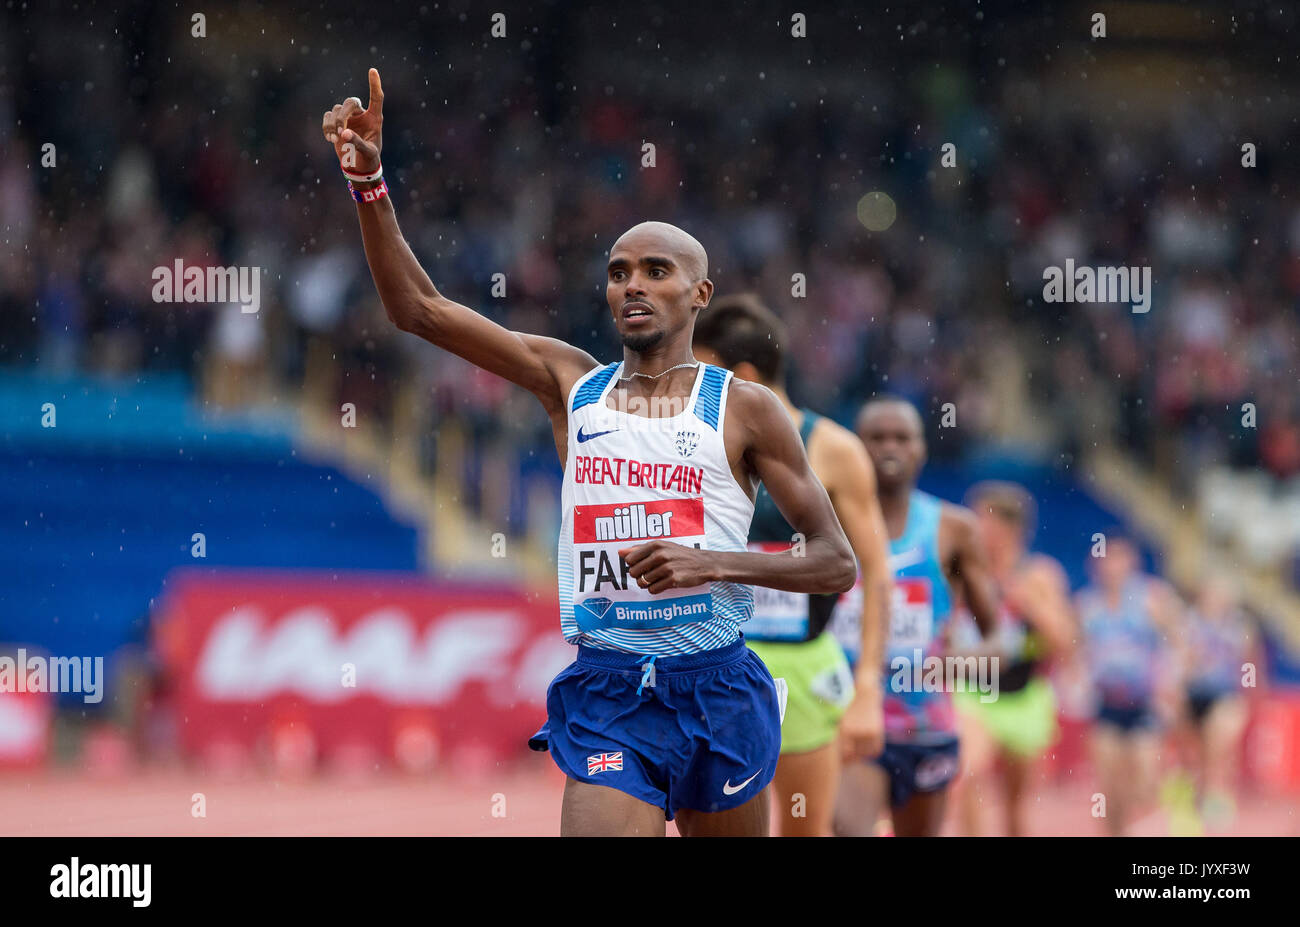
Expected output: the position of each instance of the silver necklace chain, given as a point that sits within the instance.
(656, 376)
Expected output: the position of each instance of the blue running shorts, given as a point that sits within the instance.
(703, 732)
(914, 768)
(1139, 716)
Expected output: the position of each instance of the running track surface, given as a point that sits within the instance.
(158, 802)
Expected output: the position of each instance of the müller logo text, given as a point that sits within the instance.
(105, 880)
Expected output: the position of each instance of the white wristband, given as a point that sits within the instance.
(364, 177)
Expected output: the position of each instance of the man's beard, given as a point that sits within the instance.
(642, 343)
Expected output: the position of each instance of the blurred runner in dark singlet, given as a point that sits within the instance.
(829, 712)
(1001, 739)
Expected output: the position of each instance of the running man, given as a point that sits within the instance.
(788, 629)
(1035, 626)
(935, 553)
(665, 713)
(1127, 619)
(1219, 644)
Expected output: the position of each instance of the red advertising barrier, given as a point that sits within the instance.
(1272, 743)
(355, 667)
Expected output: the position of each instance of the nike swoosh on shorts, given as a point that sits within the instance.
(729, 789)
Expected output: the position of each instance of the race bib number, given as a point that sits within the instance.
(846, 620)
(834, 685)
(778, 613)
(605, 595)
(911, 614)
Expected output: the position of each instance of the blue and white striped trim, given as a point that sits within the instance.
(733, 604)
(709, 402)
(590, 391)
(670, 642)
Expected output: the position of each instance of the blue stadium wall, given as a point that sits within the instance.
(95, 511)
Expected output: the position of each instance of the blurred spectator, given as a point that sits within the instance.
(522, 164)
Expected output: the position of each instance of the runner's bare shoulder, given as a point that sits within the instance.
(566, 363)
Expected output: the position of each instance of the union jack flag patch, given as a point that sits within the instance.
(602, 762)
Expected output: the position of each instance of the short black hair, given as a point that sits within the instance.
(890, 399)
(741, 329)
(1010, 502)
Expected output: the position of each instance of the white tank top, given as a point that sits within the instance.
(630, 479)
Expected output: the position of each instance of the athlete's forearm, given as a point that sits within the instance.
(539, 364)
(822, 566)
(876, 585)
(408, 295)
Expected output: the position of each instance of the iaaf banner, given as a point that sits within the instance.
(385, 664)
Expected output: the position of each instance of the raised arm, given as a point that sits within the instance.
(546, 367)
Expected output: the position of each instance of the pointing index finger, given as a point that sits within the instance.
(376, 104)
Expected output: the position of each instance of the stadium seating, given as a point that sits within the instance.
(101, 506)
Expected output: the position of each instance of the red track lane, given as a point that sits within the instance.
(159, 802)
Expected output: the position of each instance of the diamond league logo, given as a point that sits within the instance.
(687, 441)
(596, 606)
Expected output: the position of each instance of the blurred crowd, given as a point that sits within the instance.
(520, 159)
